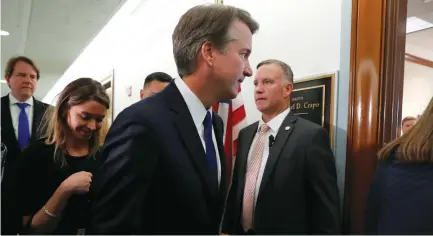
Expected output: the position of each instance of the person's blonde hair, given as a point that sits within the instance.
(417, 144)
(75, 93)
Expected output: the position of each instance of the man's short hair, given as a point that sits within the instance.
(287, 71)
(210, 22)
(406, 119)
(158, 76)
(10, 66)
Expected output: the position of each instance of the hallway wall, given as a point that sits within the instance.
(417, 89)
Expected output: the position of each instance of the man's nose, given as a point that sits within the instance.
(258, 89)
(247, 70)
(28, 79)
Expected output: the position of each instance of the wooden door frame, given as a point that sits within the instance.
(375, 99)
(419, 60)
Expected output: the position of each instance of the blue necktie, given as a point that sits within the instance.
(210, 148)
(23, 126)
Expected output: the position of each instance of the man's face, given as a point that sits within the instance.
(231, 66)
(407, 125)
(152, 88)
(23, 80)
(271, 89)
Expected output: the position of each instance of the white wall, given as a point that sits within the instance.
(305, 34)
(342, 88)
(417, 89)
(135, 43)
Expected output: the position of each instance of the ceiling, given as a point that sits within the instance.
(420, 8)
(420, 43)
(51, 32)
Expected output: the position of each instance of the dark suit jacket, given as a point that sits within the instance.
(10, 224)
(298, 192)
(154, 177)
(400, 199)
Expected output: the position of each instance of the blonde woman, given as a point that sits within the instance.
(401, 195)
(56, 172)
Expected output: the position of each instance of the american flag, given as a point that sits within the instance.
(233, 114)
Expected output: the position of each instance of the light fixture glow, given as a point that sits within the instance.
(4, 33)
(3, 81)
(414, 24)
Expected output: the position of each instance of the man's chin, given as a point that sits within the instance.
(235, 91)
(261, 108)
(27, 93)
(233, 95)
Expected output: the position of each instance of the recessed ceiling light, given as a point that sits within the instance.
(4, 33)
(414, 24)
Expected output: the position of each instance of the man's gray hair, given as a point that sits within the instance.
(287, 71)
(210, 22)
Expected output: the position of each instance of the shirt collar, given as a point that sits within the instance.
(195, 106)
(275, 123)
(13, 100)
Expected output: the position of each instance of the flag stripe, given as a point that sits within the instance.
(239, 115)
(234, 117)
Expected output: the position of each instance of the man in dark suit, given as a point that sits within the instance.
(163, 168)
(21, 116)
(284, 180)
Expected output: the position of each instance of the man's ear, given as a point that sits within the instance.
(141, 94)
(207, 52)
(8, 79)
(288, 88)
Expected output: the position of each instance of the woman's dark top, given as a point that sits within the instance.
(400, 200)
(40, 176)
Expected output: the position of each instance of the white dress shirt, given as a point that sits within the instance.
(198, 113)
(15, 113)
(274, 126)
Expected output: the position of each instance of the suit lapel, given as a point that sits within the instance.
(218, 128)
(6, 119)
(7, 126)
(246, 141)
(187, 130)
(38, 113)
(283, 134)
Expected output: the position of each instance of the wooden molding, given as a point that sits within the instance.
(418, 60)
(393, 60)
(376, 79)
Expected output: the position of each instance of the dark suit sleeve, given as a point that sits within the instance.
(28, 180)
(228, 225)
(373, 206)
(122, 182)
(323, 203)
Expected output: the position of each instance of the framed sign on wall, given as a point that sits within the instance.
(313, 99)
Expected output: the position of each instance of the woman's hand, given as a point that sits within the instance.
(78, 183)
